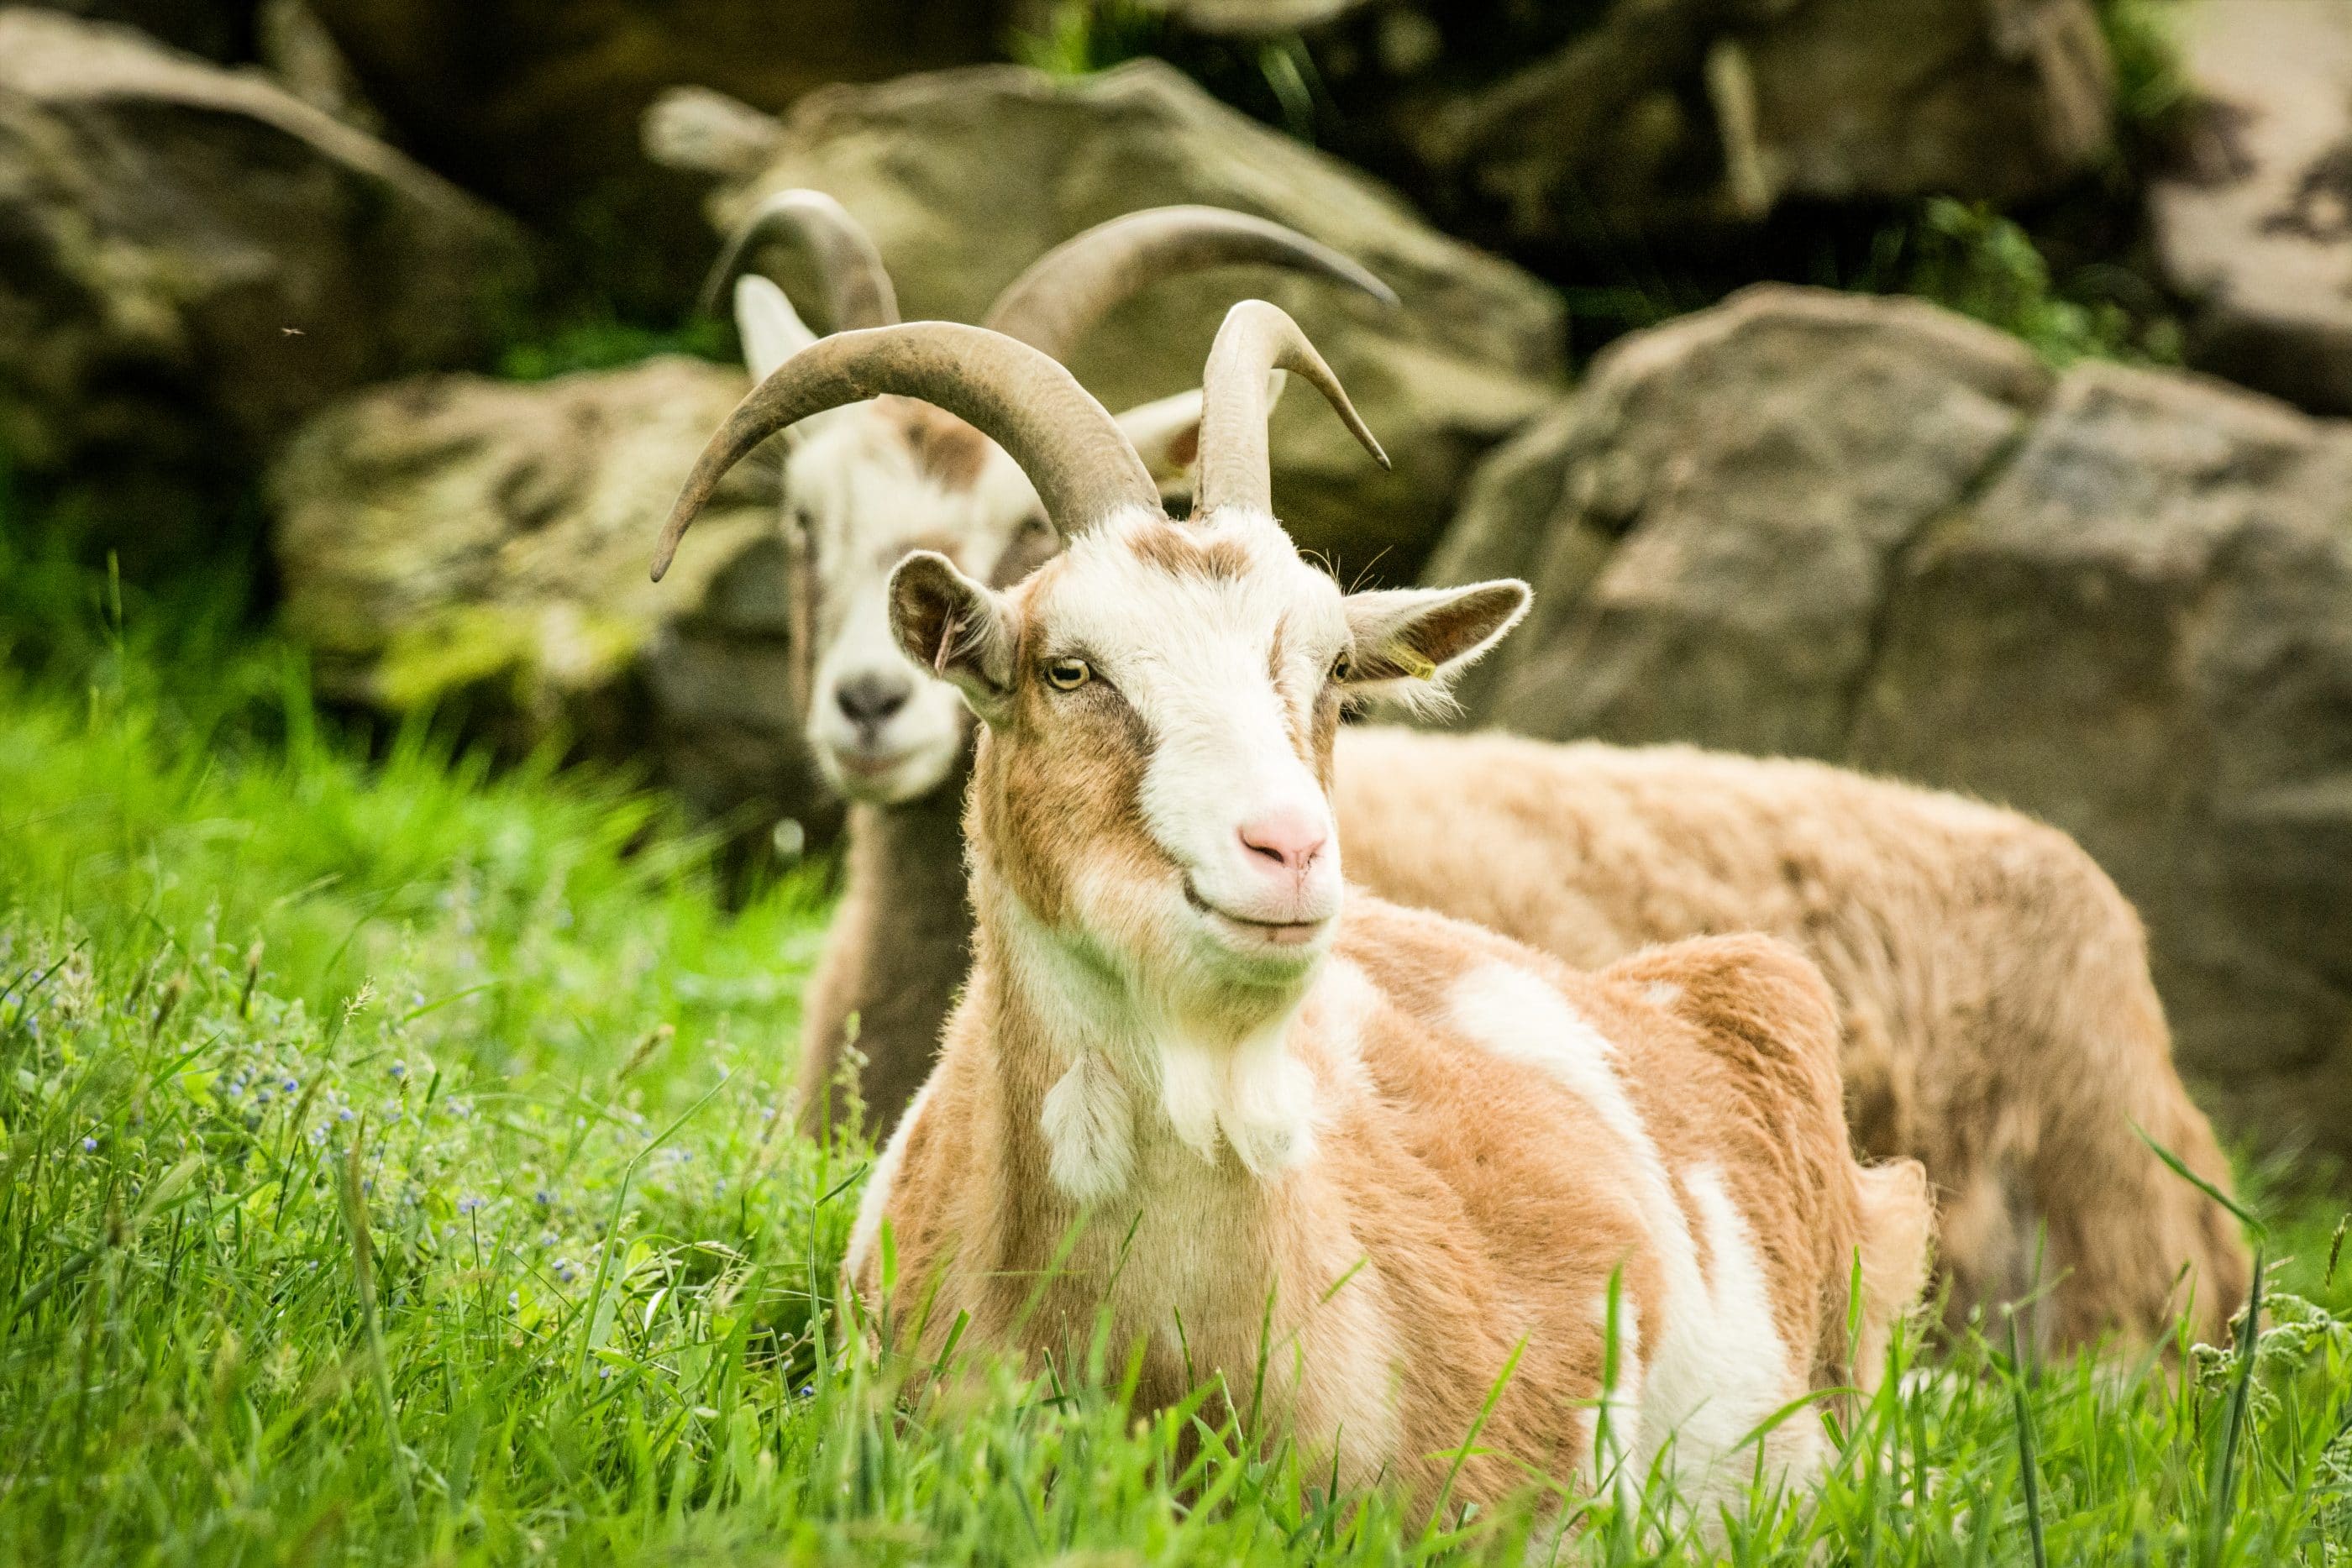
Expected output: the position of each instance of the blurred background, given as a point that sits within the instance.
(1953, 389)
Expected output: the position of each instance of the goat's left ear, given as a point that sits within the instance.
(1408, 642)
(956, 629)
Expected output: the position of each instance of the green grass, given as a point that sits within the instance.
(390, 1171)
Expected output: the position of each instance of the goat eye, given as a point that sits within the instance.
(1067, 674)
(1343, 667)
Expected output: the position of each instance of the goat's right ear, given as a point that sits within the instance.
(956, 629)
(771, 331)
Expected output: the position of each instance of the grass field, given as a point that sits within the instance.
(393, 1172)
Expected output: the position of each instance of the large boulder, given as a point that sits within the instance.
(452, 541)
(1540, 127)
(1870, 531)
(536, 104)
(965, 177)
(191, 259)
(2256, 225)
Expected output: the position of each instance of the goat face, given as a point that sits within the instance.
(870, 483)
(1160, 702)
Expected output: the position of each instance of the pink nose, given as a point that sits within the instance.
(1287, 838)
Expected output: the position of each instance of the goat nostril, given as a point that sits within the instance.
(871, 698)
(1290, 841)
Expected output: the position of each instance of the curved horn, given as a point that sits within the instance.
(1070, 287)
(1069, 446)
(857, 291)
(1255, 338)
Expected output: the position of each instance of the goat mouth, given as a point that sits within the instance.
(1274, 933)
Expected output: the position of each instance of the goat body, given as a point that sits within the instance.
(1487, 1147)
(1998, 1022)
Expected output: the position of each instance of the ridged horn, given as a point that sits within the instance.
(857, 291)
(1073, 451)
(1256, 337)
(1072, 287)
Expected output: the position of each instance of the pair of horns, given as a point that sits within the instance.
(1082, 463)
(1064, 293)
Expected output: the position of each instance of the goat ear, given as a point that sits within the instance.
(1166, 434)
(771, 331)
(958, 630)
(1409, 642)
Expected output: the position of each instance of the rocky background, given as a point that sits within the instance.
(1956, 389)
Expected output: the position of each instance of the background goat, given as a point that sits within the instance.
(2000, 1020)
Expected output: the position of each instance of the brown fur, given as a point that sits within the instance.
(893, 961)
(1438, 1154)
(945, 449)
(1487, 1204)
(2000, 1022)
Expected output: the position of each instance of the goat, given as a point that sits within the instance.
(1418, 1168)
(2001, 1024)
(863, 487)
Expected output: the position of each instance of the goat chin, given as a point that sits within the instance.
(1916, 905)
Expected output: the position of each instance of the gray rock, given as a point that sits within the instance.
(965, 177)
(1872, 532)
(2257, 227)
(1569, 126)
(452, 540)
(191, 259)
(1751, 473)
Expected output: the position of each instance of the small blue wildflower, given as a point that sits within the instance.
(398, 1070)
(470, 1205)
(261, 1097)
(514, 1301)
(90, 1145)
(808, 1390)
(566, 1271)
(543, 1198)
(603, 1372)
(236, 1087)
(344, 1114)
(291, 1084)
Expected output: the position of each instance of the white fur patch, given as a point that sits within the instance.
(1612, 1445)
(1661, 993)
(1730, 1372)
(1715, 1366)
(1259, 1096)
(876, 1198)
(1089, 1129)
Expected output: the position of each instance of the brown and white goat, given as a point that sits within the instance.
(2000, 1023)
(1400, 1167)
(863, 487)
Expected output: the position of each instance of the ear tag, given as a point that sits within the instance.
(1413, 662)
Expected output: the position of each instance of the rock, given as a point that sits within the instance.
(222, 31)
(1549, 127)
(191, 259)
(1729, 495)
(2143, 632)
(1872, 532)
(965, 177)
(537, 105)
(2256, 225)
(452, 540)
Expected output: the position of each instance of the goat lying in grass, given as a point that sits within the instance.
(1426, 1164)
(2000, 1022)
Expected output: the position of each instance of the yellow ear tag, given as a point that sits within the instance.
(1414, 665)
